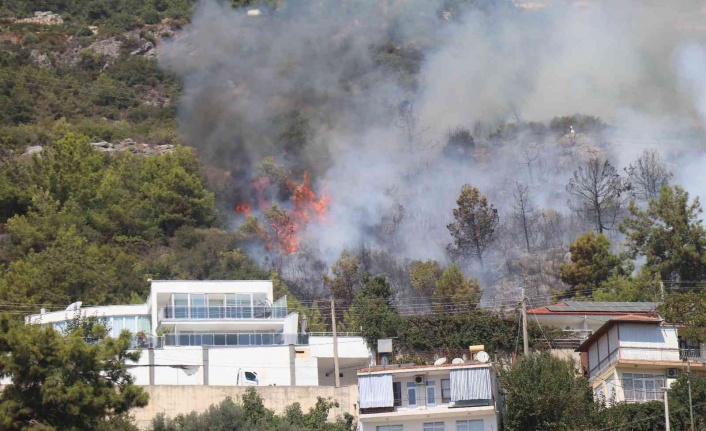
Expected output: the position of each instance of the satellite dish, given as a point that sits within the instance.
(482, 357)
(457, 361)
(440, 361)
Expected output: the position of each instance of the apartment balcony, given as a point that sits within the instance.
(571, 339)
(240, 339)
(692, 355)
(422, 407)
(222, 313)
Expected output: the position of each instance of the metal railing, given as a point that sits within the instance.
(224, 339)
(571, 338)
(228, 312)
(691, 354)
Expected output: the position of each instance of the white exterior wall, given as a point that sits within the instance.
(602, 354)
(141, 372)
(648, 342)
(291, 323)
(187, 356)
(307, 371)
(106, 311)
(271, 363)
(490, 422)
(348, 347)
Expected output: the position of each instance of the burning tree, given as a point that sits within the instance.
(284, 225)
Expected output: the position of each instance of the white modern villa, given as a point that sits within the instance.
(221, 333)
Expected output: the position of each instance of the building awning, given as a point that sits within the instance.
(375, 391)
(470, 384)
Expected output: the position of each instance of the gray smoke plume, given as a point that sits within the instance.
(376, 130)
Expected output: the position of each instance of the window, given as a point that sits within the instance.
(388, 428)
(433, 426)
(610, 390)
(397, 393)
(598, 394)
(412, 394)
(445, 391)
(643, 387)
(181, 305)
(198, 306)
(476, 425)
(431, 393)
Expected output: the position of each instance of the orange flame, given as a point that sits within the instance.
(288, 225)
(244, 209)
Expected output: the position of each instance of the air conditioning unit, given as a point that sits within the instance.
(672, 373)
(419, 379)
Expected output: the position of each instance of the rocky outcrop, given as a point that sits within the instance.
(43, 18)
(146, 48)
(40, 59)
(107, 47)
(133, 147)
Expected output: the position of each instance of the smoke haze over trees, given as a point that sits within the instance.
(391, 107)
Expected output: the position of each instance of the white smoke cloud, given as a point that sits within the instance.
(636, 64)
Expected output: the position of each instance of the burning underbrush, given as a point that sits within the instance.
(281, 223)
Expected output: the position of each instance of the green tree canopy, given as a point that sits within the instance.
(423, 276)
(592, 263)
(372, 312)
(61, 382)
(669, 234)
(474, 227)
(453, 287)
(93, 217)
(545, 393)
(345, 280)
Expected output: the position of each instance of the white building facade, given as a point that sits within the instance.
(459, 397)
(220, 333)
(634, 358)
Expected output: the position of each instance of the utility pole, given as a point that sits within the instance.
(525, 338)
(666, 410)
(335, 344)
(691, 405)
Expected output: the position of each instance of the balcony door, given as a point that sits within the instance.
(181, 305)
(239, 305)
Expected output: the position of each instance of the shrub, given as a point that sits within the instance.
(30, 39)
(151, 16)
(84, 31)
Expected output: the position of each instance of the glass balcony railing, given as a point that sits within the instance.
(212, 339)
(220, 313)
(146, 342)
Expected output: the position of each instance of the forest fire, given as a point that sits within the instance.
(286, 225)
(244, 209)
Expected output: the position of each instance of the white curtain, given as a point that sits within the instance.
(470, 384)
(375, 391)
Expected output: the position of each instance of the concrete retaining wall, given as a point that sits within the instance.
(173, 400)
